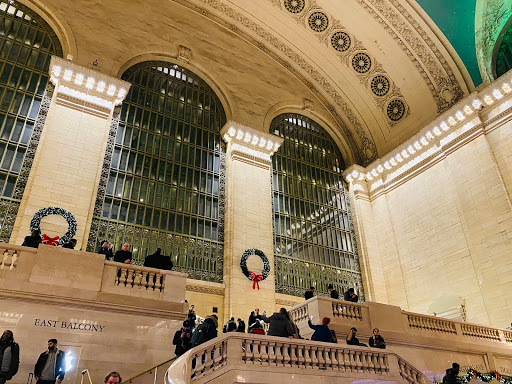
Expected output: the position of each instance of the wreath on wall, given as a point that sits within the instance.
(256, 278)
(35, 224)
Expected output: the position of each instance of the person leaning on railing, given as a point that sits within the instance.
(279, 324)
(123, 255)
(105, 249)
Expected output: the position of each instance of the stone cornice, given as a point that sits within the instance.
(477, 114)
(250, 145)
(85, 89)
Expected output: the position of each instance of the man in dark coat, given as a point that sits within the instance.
(33, 240)
(452, 373)
(105, 249)
(158, 261)
(9, 357)
(279, 324)
(51, 365)
(309, 293)
(350, 295)
(322, 331)
(334, 293)
(123, 255)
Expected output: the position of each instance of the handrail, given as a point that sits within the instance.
(149, 370)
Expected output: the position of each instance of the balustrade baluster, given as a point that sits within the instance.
(341, 360)
(14, 257)
(307, 357)
(279, 354)
(327, 358)
(257, 352)
(320, 356)
(271, 354)
(4, 259)
(287, 355)
(137, 279)
(264, 353)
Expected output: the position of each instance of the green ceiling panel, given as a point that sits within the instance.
(456, 19)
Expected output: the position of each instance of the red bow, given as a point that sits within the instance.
(255, 278)
(498, 376)
(50, 240)
(473, 371)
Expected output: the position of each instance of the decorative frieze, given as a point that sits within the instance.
(250, 145)
(85, 89)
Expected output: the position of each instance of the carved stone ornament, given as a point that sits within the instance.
(184, 53)
(85, 89)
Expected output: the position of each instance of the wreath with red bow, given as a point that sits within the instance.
(254, 277)
(35, 224)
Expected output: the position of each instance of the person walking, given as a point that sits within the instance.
(279, 324)
(51, 365)
(9, 357)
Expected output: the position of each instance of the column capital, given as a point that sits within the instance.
(85, 89)
(250, 145)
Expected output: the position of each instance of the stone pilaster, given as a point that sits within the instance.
(68, 160)
(248, 220)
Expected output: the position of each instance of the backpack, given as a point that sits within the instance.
(200, 334)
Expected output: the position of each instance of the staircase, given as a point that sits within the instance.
(249, 358)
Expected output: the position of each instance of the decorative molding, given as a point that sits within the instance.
(290, 303)
(354, 55)
(250, 145)
(184, 54)
(83, 304)
(85, 89)
(308, 104)
(363, 147)
(449, 132)
(205, 289)
(420, 49)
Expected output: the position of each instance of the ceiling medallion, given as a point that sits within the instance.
(340, 41)
(396, 109)
(380, 85)
(294, 6)
(361, 62)
(318, 21)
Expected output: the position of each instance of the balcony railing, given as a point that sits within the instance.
(250, 354)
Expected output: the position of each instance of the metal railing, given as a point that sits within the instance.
(156, 373)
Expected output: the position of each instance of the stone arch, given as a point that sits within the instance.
(336, 134)
(221, 91)
(491, 20)
(59, 26)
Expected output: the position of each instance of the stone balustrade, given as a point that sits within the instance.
(8, 258)
(260, 357)
(29, 271)
(425, 340)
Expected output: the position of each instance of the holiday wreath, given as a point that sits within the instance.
(256, 278)
(35, 223)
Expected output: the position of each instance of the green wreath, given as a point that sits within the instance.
(255, 278)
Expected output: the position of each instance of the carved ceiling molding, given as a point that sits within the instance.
(365, 151)
(351, 52)
(420, 48)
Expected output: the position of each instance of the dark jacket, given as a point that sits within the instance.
(69, 245)
(105, 251)
(60, 364)
(240, 327)
(32, 241)
(353, 341)
(322, 332)
(378, 342)
(121, 256)
(158, 261)
(252, 319)
(451, 377)
(335, 294)
(15, 359)
(182, 339)
(347, 297)
(308, 294)
(279, 325)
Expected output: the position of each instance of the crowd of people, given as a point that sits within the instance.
(50, 367)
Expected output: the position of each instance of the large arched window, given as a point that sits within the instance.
(26, 45)
(314, 242)
(165, 183)
(504, 53)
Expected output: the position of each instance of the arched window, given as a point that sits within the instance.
(314, 241)
(26, 45)
(504, 53)
(165, 183)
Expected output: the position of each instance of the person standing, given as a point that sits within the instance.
(309, 293)
(9, 357)
(123, 255)
(452, 374)
(334, 293)
(51, 365)
(350, 295)
(33, 240)
(105, 249)
(279, 324)
(241, 326)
